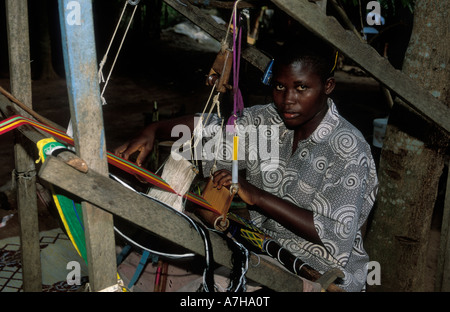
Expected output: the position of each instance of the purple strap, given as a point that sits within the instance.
(237, 96)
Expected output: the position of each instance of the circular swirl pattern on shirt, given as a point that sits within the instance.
(253, 162)
(343, 258)
(305, 187)
(226, 150)
(344, 143)
(330, 247)
(290, 176)
(304, 154)
(360, 275)
(323, 131)
(320, 164)
(321, 205)
(320, 251)
(272, 175)
(319, 227)
(257, 120)
(358, 247)
(351, 181)
(268, 137)
(345, 221)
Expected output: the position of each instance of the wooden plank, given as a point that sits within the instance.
(8, 109)
(20, 79)
(443, 269)
(156, 218)
(209, 25)
(329, 29)
(80, 59)
(30, 111)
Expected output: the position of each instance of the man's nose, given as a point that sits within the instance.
(290, 97)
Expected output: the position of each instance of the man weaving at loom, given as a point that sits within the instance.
(315, 198)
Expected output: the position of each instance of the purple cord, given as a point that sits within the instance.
(237, 96)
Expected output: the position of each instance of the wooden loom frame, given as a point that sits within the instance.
(102, 275)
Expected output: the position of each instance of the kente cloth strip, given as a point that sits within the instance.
(129, 167)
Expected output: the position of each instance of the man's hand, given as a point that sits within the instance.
(247, 192)
(143, 144)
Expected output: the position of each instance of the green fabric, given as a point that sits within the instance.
(70, 211)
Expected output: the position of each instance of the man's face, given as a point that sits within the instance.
(299, 94)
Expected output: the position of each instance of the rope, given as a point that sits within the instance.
(200, 125)
(105, 57)
(102, 63)
(238, 105)
(237, 96)
(26, 175)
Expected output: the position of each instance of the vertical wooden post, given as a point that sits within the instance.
(443, 269)
(20, 79)
(80, 60)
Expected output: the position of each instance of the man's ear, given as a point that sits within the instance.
(330, 83)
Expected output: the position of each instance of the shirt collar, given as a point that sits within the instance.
(329, 122)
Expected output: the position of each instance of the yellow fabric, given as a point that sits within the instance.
(40, 146)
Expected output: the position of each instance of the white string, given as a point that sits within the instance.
(295, 269)
(233, 14)
(200, 125)
(162, 254)
(118, 52)
(216, 101)
(242, 278)
(267, 247)
(105, 57)
(300, 268)
(278, 255)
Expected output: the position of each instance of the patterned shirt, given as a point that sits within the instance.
(331, 173)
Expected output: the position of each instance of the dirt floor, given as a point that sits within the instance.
(174, 77)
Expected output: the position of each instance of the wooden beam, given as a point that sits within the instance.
(443, 268)
(30, 111)
(329, 29)
(223, 4)
(80, 59)
(208, 24)
(25, 172)
(158, 219)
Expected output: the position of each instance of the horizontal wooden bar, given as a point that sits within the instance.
(329, 29)
(251, 54)
(155, 217)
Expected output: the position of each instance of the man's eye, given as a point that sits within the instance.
(279, 87)
(301, 88)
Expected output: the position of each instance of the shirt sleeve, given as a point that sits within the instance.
(337, 207)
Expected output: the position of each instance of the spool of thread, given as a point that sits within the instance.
(235, 166)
